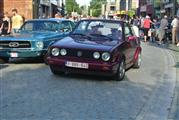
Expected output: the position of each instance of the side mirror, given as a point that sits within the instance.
(130, 38)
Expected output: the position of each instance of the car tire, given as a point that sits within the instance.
(137, 64)
(121, 71)
(45, 59)
(54, 71)
(4, 60)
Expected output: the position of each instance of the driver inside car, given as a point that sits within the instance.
(116, 34)
(94, 30)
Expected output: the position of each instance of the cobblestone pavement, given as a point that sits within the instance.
(29, 91)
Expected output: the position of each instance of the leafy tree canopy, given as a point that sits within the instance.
(72, 6)
(95, 6)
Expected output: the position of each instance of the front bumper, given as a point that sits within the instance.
(95, 67)
(21, 53)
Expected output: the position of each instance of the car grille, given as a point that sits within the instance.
(80, 53)
(15, 44)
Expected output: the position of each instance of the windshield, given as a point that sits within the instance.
(41, 26)
(105, 29)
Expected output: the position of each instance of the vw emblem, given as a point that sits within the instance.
(79, 53)
(13, 44)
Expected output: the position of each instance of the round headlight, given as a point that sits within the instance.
(96, 55)
(55, 52)
(39, 44)
(105, 56)
(63, 52)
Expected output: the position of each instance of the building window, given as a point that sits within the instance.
(112, 8)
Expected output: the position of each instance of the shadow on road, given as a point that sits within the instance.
(2, 66)
(26, 61)
(83, 77)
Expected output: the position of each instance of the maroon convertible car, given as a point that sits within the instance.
(97, 47)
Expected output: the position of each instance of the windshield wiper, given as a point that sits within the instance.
(80, 34)
(99, 35)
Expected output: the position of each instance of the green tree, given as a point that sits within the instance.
(72, 6)
(95, 6)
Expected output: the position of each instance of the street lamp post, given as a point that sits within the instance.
(175, 7)
(127, 5)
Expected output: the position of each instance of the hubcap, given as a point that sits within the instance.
(139, 59)
(121, 70)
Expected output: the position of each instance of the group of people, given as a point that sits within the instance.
(10, 24)
(147, 23)
(13, 23)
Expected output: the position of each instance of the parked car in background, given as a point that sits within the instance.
(34, 38)
(99, 47)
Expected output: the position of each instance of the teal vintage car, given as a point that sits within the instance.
(33, 38)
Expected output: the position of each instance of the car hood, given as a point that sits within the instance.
(29, 36)
(72, 42)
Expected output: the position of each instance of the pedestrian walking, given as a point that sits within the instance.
(135, 21)
(6, 25)
(135, 26)
(163, 27)
(17, 21)
(146, 24)
(141, 22)
(175, 31)
(141, 26)
(153, 30)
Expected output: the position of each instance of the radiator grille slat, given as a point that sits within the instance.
(15, 44)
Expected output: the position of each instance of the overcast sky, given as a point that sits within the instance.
(83, 2)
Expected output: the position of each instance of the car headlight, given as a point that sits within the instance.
(39, 44)
(105, 56)
(96, 55)
(55, 51)
(63, 52)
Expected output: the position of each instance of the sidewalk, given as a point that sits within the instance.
(173, 48)
(174, 111)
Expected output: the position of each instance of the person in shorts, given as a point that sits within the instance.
(162, 29)
(146, 25)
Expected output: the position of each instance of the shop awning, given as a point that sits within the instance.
(130, 12)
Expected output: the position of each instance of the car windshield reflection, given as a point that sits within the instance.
(99, 29)
(41, 26)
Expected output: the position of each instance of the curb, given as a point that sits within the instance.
(173, 48)
(174, 111)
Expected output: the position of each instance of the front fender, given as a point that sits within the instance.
(137, 52)
(117, 56)
(51, 43)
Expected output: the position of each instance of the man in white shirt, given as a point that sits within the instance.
(175, 31)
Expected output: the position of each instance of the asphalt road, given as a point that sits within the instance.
(29, 91)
